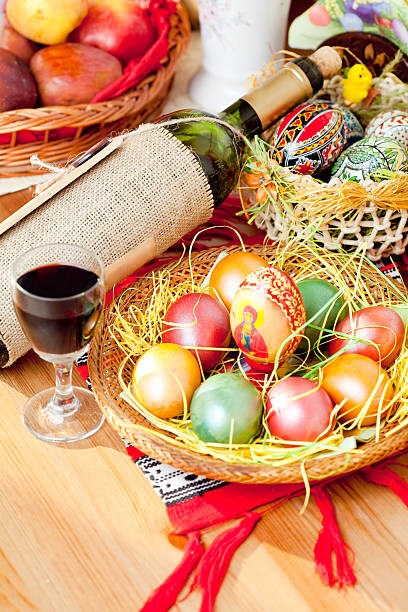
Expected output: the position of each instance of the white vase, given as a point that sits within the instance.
(239, 38)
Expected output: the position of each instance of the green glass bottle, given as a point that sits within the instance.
(218, 148)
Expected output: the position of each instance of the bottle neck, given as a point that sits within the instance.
(292, 84)
(243, 116)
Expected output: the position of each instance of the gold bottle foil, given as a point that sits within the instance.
(283, 91)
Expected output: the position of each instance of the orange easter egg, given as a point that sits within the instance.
(266, 310)
(229, 273)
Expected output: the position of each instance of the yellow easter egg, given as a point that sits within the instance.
(165, 378)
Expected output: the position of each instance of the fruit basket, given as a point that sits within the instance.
(106, 362)
(87, 124)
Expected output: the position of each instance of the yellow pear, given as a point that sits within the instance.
(46, 21)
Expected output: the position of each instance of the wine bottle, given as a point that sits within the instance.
(218, 148)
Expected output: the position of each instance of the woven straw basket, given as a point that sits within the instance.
(106, 357)
(342, 215)
(93, 122)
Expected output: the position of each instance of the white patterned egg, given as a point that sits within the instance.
(375, 158)
(392, 124)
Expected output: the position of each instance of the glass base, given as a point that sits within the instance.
(53, 426)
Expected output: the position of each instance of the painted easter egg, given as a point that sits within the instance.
(266, 310)
(376, 331)
(310, 138)
(370, 158)
(393, 124)
(298, 409)
(226, 408)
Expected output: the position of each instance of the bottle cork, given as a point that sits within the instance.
(328, 60)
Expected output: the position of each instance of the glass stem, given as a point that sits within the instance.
(64, 400)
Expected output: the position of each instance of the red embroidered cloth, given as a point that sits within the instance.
(194, 502)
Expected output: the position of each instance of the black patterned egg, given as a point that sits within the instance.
(393, 124)
(376, 158)
(310, 138)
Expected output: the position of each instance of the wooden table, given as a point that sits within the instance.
(81, 528)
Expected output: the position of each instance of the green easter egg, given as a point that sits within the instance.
(371, 157)
(224, 403)
(316, 293)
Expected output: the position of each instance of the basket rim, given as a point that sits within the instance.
(100, 112)
(188, 460)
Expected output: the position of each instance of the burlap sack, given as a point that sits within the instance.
(151, 186)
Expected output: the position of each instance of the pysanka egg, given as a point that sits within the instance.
(267, 309)
(369, 158)
(310, 138)
(392, 124)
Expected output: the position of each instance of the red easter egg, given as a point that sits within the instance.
(266, 310)
(382, 327)
(298, 410)
(198, 320)
(310, 137)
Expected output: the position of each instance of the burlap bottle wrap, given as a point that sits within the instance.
(151, 186)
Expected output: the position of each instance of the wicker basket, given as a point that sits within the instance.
(92, 122)
(104, 362)
(349, 216)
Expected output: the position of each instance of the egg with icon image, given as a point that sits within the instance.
(266, 314)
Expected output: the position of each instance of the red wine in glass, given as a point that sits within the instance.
(61, 323)
(58, 294)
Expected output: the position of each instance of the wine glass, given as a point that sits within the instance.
(58, 294)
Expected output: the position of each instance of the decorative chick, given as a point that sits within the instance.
(357, 83)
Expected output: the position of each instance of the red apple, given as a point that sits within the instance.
(17, 43)
(72, 73)
(17, 84)
(119, 27)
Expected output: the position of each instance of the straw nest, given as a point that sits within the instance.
(132, 325)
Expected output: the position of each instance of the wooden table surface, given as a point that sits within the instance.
(81, 528)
